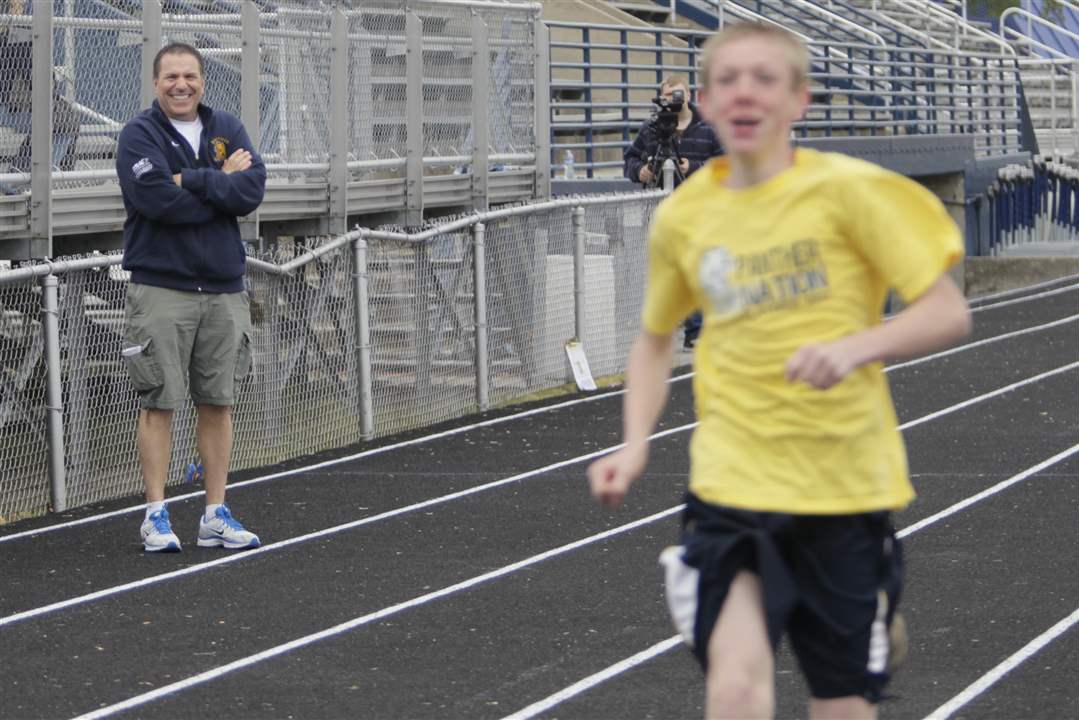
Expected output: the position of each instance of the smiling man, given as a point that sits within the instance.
(797, 462)
(186, 173)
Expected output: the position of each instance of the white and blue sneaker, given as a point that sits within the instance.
(157, 535)
(223, 530)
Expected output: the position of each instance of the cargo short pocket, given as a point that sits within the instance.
(243, 357)
(142, 367)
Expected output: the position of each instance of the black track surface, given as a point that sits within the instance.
(982, 582)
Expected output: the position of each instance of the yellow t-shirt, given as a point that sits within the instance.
(806, 256)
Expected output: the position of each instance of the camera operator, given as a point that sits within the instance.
(676, 131)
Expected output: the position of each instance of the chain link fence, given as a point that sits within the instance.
(307, 389)
(101, 79)
(16, 94)
(98, 50)
(377, 89)
(511, 84)
(23, 439)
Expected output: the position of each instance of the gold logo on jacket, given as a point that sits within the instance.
(219, 145)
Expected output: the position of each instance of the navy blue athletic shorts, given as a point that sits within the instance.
(831, 583)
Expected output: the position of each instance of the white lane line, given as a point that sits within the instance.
(237, 557)
(658, 649)
(336, 461)
(999, 487)
(1026, 288)
(487, 423)
(592, 680)
(1027, 298)
(986, 681)
(991, 394)
(985, 341)
(370, 618)
(247, 554)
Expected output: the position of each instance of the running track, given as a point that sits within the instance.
(462, 572)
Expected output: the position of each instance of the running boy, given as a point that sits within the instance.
(797, 462)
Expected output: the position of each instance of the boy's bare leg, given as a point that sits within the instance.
(740, 682)
(213, 435)
(154, 434)
(846, 708)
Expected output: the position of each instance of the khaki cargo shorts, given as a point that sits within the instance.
(176, 340)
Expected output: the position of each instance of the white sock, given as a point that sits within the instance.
(152, 507)
(210, 510)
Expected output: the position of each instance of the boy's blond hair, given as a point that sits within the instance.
(672, 80)
(796, 49)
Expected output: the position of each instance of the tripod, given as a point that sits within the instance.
(665, 151)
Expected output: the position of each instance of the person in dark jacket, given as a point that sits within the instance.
(186, 173)
(695, 142)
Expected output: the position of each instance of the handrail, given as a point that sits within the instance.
(99, 261)
(1029, 16)
(746, 14)
(928, 8)
(814, 8)
(898, 26)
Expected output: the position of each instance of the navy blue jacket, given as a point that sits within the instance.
(697, 143)
(186, 236)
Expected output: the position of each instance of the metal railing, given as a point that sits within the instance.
(946, 23)
(604, 76)
(365, 109)
(365, 334)
(1034, 210)
(1050, 82)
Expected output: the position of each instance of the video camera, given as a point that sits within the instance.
(665, 117)
(664, 123)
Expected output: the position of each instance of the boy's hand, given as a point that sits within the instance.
(823, 365)
(609, 477)
(237, 162)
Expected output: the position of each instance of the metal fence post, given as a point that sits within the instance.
(578, 273)
(414, 117)
(338, 218)
(481, 114)
(50, 323)
(1073, 73)
(363, 337)
(41, 133)
(668, 175)
(541, 96)
(151, 43)
(479, 269)
(249, 97)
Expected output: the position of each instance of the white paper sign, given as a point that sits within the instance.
(577, 360)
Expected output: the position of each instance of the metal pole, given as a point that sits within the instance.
(151, 43)
(363, 337)
(481, 71)
(249, 98)
(414, 115)
(1053, 109)
(578, 273)
(338, 216)
(50, 324)
(542, 98)
(479, 269)
(41, 133)
(69, 52)
(1073, 72)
